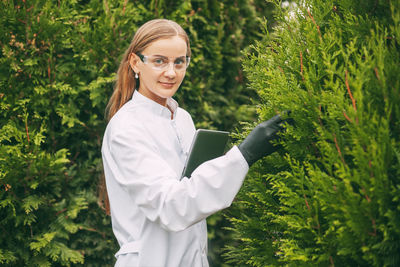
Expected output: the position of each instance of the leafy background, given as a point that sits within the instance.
(329, 197)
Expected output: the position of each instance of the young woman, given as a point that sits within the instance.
(158, 218)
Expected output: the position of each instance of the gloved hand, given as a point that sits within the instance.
(258, 143)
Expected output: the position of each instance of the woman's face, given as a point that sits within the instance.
(162, 71)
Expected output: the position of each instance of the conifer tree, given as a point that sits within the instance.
(330, 196)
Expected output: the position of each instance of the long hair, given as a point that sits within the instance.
(126, 83)
(149, 32)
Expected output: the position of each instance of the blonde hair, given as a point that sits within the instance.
(149, 32)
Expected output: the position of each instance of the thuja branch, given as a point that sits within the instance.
(301, 65)
(349, 91)
(338, 148)
(313, 20)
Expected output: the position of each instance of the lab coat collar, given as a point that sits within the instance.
(154, 107)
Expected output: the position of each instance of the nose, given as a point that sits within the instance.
(170, 71)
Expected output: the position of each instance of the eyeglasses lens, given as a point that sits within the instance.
(162, 63)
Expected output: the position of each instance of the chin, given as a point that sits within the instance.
(167, 93)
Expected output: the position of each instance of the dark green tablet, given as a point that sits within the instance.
(206, 145)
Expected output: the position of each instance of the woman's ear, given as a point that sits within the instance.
(133, 62)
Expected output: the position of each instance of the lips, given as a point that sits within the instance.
(167, 84)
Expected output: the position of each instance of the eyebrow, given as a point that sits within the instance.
(167, 57)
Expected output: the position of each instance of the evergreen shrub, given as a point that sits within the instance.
(331, 196)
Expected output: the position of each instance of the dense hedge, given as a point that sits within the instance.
(58, 62)
(331, 196)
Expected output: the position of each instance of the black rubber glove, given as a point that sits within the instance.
(258, 143)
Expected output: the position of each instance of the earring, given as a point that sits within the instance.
(136, 76)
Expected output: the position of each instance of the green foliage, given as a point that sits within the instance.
(37, 219)
(331, 196)
(58, 63)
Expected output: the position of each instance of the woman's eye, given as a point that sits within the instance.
(158, 61)
(179, 61)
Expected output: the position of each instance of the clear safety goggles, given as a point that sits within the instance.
(161, 63)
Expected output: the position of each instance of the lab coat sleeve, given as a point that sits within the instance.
(155, 188)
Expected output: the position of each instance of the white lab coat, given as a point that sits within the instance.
(158, 219)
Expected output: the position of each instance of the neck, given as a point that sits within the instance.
(160, 100)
